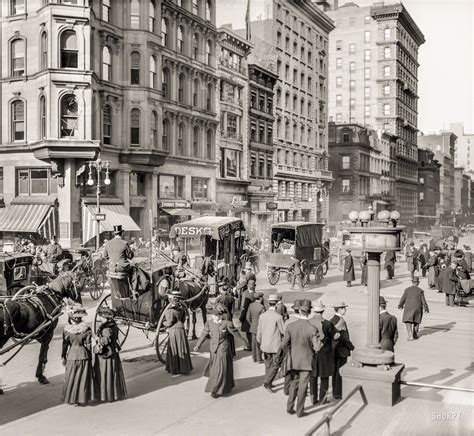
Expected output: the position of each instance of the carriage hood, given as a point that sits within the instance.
(306, 234)
(217, 227)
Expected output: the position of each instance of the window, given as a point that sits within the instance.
(367, 92)
(181, 138)
(367, 19)
(422, 196)
(195, 46)
(69, 52)
(107, 125)
(386, 71)
(135, 14)
(137, 184)
(230, 163)
(18, 120)
(338, 63)
(69, 116)
(422, 180)
(154, 129)
(346, 186)
(208, 11)
(209, 94)
(135, 127)
(386, 90)
(366, 55)
(165, 135)
(386, 109)
(180, 39)
(387, 33)
(171, 186)
(35, 181)
(18, 57)
(338, 118)
(152, 72)
(106, 10)
(199, 187)
(339, 44)
(208, 53)
(181, 88)
(339, 100)
(269, 174)
(352, 102)
(17, 7)
(164, 32)
(352, 48)
(338, 82)
(106, 64)
(44, 51)
(135, 68)
(165, 84)
(352, 66)
(366, 111)
(196, 93)
(209, 147)
(367, 73)
(42, 105)
(195, 7)
(151, 18)
(386, 52)
(346, 162)
(367, 36)
(352, 84)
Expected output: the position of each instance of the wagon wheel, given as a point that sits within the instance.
(162, 335)
(23, 292)
(273, 275)
(122, 324)
(318, 274)
(97, 284)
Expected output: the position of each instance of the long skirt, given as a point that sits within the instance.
(432, 279)
(178, 358)
(110, 379)
(220, 370)
(78, 382)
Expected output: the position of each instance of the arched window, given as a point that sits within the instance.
(135, 14)
(135, 127)
(208, 53)
(42, 105)
(69, 52)
(165, 135)
(180, 39)
(18, 57)
(195, 7)
(165, 84)
(107, 125)
(196, 141)
(196, 93)
(44, 51)
(195, 46)
(106, 64)
(18, 120)
(181, 139)
(209, 147)
(209, 94)
(152, 72)
(106, 6)
(152, 20)
(154, 129)
(164, 32)
(208, 10)
(181, 88)
(69, 116)
(135, 68)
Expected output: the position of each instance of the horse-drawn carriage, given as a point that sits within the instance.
(302, 240)
(15, 272)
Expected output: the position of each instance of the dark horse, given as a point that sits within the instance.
(196, 296)
(24, 315)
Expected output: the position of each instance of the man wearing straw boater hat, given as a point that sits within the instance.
(118, 253)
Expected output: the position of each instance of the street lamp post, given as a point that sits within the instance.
(316, 190)
(98, 165)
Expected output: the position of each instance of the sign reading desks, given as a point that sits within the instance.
(99, 216)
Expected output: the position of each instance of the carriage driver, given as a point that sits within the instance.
(118, 253)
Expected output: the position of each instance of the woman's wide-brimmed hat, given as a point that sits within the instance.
(77, 311)
(106, 312)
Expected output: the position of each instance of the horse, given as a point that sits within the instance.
(23, 316)
(196, 296)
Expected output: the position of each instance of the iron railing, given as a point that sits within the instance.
(427, 385)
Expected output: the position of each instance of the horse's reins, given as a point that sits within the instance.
(172, 260)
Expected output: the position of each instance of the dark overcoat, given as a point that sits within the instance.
(253, 315)
(390, 259)
(388, 331)
(449, 281)
(343, 345)
(323, 365)
(413, 302)
(248, 298)
(349, 274)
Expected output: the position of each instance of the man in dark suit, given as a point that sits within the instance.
(301, 341)
(342, 349)
(53, 253)
(118, 253)
(450, 281)
(254, 311)
(411, 256)
(390, 259)
(248, 297)
(388, 327)
(413, 302)
(349, 272)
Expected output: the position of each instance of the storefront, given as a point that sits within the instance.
(171, 213)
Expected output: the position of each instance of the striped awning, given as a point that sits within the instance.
(30, 218)
(181, 212)
(115, 214)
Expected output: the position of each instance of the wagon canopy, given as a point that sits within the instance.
(306, 234)
(217, 227)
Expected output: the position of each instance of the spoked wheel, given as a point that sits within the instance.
(97, 284)
(273, 275)
(318, 274)
(325, 266)
(122, 324)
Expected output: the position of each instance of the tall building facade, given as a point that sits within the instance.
(429, 190)
(134, 81)
(373, 66)
(464, 152)
(293, 43)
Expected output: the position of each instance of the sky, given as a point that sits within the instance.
(446, 73)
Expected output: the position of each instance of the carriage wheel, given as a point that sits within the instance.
(273, 275)
(325, 266)
(97, 284)
(122, 324)
(23, 292)
(318, 274)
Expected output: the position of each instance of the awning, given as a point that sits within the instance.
(115, 214)
(30, 218)
(181, 212)
(381, 202)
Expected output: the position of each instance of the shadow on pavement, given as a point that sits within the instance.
(432, 329)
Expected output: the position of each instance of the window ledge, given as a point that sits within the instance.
(16, 17)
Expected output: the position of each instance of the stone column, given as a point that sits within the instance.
(373, 281)
(68, 210)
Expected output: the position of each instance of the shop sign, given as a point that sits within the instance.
(99, 217)
(174, 204)
(271, 205)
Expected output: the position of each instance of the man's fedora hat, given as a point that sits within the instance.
(274, 297)
(339, 304)
(305, 306)
(319, 306)
(415, 280)
(382, 300)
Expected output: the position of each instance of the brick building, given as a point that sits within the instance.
(429, 190)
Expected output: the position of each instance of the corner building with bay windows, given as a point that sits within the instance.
(133, 81)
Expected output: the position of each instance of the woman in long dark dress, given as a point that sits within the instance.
(178, 358)
(76, 355)
(220, 368)
(110, 380)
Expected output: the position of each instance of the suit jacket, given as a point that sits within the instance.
(449, 281)
(301, 341)
(219, 335)
(343, 346)
(413, 302)
(118, 252)
(349, 274)
(270, 331)
(390, 258)
(324, 358)
(247, 298)
(388, 331)
(253, 315)
(282, 310)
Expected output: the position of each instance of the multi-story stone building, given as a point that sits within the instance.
(443, 146)
(134, 81)
(261, 148)
(462, 196)
(464, 152)
(232, 138)
(465, 199)
(356, 164)
(429, 190)
(373, 66)
(293, 43)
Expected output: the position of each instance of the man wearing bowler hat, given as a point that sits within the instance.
(388, 327)
(413, 302)
(301, 341)
(349, 274)
(118, 253)
(255, 310)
